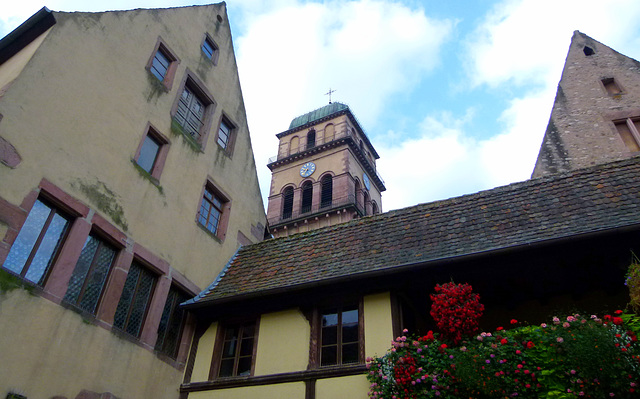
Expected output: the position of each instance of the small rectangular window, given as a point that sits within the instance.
(163, 64)
(236, 358)
(339, 336)
(611, 86)
(629, 130)
(152, 152)
(171, 323)
(210, 49)
(90, 274)
(210, 211)
(39, 241)
(224, 133)
(135, 299)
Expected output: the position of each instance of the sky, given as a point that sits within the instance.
(454, 95)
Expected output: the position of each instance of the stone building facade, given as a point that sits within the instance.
(596, 113)
(122, 138)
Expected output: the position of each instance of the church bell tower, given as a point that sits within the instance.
(324, 173)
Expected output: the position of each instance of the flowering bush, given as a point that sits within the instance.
(585, 357)
(633, 283)
(456, 310)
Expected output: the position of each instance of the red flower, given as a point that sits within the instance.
(530, 344)
(618, 311)
(443, 346)
(499, 329)
(514, 321)
(503, 341)
(617, 321)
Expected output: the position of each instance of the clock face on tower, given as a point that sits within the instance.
(307, 169)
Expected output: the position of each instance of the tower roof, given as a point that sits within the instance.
(317, 114)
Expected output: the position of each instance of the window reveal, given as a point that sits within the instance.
(38, 243)
(629, 130)
(160, 64)
(339, 337)
(90, 274)
(237, 350)
(224, 133)
(134, 301)
(148, 153)
(209, 49)
(190, 113)
(171, 324)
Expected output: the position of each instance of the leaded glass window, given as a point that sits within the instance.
(90, 274)
(171, 323)
(339, 337)
(135, 299)
(237, 350)
(39, 241)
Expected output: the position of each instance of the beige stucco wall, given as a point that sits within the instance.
(378, 326)
(76, 114)
(283, 343)
(293, 390)
(56, 344)
(351, 387)
(11, 68)
(204, 355)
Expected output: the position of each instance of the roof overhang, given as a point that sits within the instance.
(24, 34)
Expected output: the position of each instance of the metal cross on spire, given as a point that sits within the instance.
(329, 94)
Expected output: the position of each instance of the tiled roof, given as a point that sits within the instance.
(584, 201)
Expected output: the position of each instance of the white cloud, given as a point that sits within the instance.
(526, 41)
(290, 56)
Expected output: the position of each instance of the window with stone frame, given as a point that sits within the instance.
(326, 193)
(236, 348)
(171, 323)
(90, 274)
(135, 299)
(210, 49)
(341, 336)
(226, 135)
(193, 109)
(210, 211)
(163, 64)
(152, 152)
(35, 248)
(307, 197)
(629, 130)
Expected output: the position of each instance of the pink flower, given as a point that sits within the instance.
(405, 331)
(566, 325)
(571, 318)
(572, 371)
(556, 320)
(560, 339)
(543, 325)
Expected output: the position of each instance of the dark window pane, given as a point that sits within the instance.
(307, 197)
(287, 208)
(226, 368)
(350, 333)
(148, 153)
(134, 300)
(90, 274)
(244, 366)
(229, 349)
(350, 353)
(330, 335)
(329, 355)
(170, 327)
(246, 349)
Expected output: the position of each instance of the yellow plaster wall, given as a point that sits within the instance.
(94, 100)
(11, 68)
(202, 364)
(351, 387)
(43, 344)
(283, 343)
(378, 327)
(293, 390)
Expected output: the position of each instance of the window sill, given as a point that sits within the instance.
(179, 130)
(215, 237)
(146, 175)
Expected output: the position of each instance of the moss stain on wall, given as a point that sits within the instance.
(104, 200)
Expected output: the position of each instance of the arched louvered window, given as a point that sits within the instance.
(365, 201)
(311, 139)
(374, 208)
(326, 195)
(307, 197)
(356, 194)
(287, 203)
